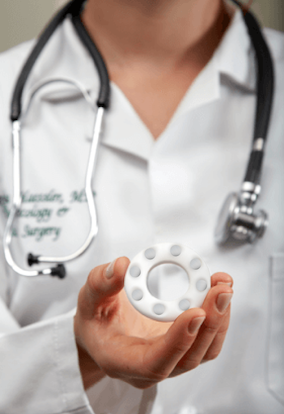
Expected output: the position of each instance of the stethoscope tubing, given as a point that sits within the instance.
(265, 90)
(251, 183)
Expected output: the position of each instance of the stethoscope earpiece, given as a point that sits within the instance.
(58, 271)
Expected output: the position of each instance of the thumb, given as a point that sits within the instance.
(103, 283)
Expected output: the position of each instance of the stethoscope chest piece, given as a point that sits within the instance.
(136, 281)
(238, 221)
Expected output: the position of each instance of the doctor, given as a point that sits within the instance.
(175, 141)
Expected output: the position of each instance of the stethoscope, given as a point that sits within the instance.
(237, 219)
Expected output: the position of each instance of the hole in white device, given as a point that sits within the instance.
(167, 281)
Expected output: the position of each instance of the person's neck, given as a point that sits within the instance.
(159, 30)
(162, 44)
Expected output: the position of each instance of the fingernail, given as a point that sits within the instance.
(195, 324)
(223, 301)
(225, 283)
(109, 269)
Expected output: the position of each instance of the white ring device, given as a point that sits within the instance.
(136, 280)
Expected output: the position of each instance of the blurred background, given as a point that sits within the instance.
(22, 20)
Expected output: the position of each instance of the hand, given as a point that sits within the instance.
(115, 339)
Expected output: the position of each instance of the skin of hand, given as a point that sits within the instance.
(116, 340)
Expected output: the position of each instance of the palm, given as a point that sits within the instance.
(130, 322)
(117, 317)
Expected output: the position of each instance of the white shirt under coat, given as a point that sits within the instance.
(146, 192)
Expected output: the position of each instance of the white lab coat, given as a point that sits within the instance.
(146, 192)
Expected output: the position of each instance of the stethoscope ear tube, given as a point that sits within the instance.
(265, 89)
(104, 93)
(72, 6)
(265, 77)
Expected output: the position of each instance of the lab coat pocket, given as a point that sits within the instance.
(275, 349)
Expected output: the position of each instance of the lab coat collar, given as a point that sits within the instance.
(122, 124)
(64, 57)
(233, 60)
